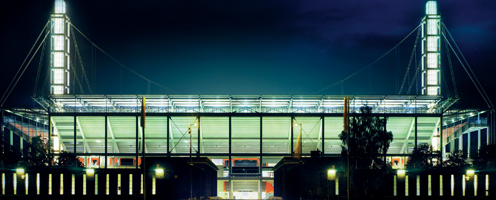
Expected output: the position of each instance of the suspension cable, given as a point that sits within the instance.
(40, 64)
(20, 67)
(369, 65)
(450, 63)
(77, 77)
(413, 79)
(183, 135)
(308, 136)
(472, 79)
(20, 75)
(81, 62)
(468, 65)
(122, 65)
(410, 62)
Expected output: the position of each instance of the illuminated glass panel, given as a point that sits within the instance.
(58, 25)
(432, 91)
(58, 42)
(57, 89)
(432, 43)
(73, 184)
(432, 26)
(431, 8)
(432, 77)
(84, 184)
(432, 60)
(59, 6)
(58, 59)
(58, 76)
(441, 185)
(49, 183)
(130, 184)
(61, 184)
(119, 184)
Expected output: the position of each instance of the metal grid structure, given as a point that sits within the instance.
(240, 103)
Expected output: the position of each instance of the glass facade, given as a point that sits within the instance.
(232, 141)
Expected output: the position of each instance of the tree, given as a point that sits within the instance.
(67, 159)
(368, 142)
(38, 156)
(455, 160)
(422, 157)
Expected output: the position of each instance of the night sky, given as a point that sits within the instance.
(250, 47)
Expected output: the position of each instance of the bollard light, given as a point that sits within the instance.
(331, 174)
(20, 172)
(470, 173)
(90, 172)
(401, 173)
(159, 173)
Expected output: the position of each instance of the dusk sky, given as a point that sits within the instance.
(251, 47)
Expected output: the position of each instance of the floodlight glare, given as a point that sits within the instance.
(159, 173)
(90, 173)
(470, 173)
(331, 174)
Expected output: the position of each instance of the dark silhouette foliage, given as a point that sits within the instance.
(38, 156)
(10, 158)
(423, 157)
(486, 159)
(67, 159)
(456, 160)
(368, 140)
(367, 146)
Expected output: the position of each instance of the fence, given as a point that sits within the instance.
(66, 182)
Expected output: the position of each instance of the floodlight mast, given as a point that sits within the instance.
(431, 50)
(59, 50)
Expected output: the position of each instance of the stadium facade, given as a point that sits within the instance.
(244, 135)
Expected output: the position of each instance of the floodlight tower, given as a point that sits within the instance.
(431, 50)
(59, 50)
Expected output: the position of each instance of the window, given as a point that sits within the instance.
(58, 59)
(432, 60)
(431, 8)
(432, 26)
(433, 43)
(57, 89)
(58, 25)
(59, 6)
(58, 42)
(58, 76)
(432, 77)
(432, 91)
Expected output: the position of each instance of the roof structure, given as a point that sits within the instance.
(240, 103)
(258, 122)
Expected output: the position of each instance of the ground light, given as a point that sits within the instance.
(90, 172)
(470, 173)
(331, 174)
(20, 171)
(401, 173)
(159, 173)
